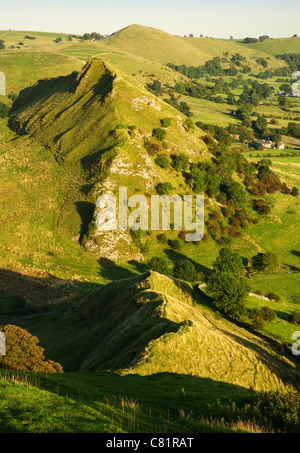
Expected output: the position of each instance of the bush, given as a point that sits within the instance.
(162, 161)
(175, 244)
(166, 122)
(180, 162)
(159, 133)
(23, 352)
(273, 410)
(185, 270)
(159, 264)
(229, 261)
(267, 313)
(4, 110)
(272, 296)
(162, 238)
(265, 262)
(163, 188)
(295, 317)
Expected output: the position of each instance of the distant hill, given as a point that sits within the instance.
(156, 45)
(276, 46)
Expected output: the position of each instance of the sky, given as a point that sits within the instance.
(213, 18)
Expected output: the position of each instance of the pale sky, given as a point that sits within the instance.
(216, 18)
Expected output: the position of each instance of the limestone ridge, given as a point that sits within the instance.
(101, 122)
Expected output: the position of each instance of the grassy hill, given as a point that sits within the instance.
(161, 47)
(159, 324)
(276, 46)
(83, 123)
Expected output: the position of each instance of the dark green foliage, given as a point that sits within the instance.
(262, 207)
(4, 110)
(163, 188)
(273, 296)
(293, 129)
(229, 292)
(184, 270)
(197, 180)
(155, 86)
(159, 133)
(180, 162)
(236, 192)
(272, 409)
(175, 244)
(166, 122)
(159, 264)
(162, 161)
(2, 45)
(265, 262)
(295, 191)
(229, 261)
(295, 317)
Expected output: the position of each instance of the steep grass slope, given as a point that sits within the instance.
(153, 323)
(99, 124)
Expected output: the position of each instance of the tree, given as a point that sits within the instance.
(23, 352)
(265, 262)
(229, 261)
(2, 46)
(229, 292)
(159, 264)
(180, 162)
(197, 180)
(185, 270)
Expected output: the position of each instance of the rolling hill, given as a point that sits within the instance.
(160, 46)
(153, 323)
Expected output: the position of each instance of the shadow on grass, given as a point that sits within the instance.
(174, 256)
(112, 271)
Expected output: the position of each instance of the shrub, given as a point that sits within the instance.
(163, 188)
(272, 296)
(295, 317)
(175, 244)
(159, 133)
(267, 313)
(162, 238)
(4, 110)
(159, 264)
(185, 270)
(166, 122)
(180, 162)
(23, 352)
(295, 191)
(265, 262)
(228, 261)
(162, 161)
